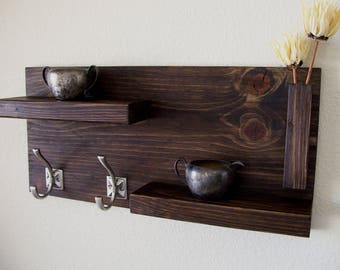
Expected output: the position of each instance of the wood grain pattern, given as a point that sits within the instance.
(244, 211)
(230, 113)
(297, 136)
(198, 112)
(117, 112)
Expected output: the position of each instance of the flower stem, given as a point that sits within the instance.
(309, 75)
(294, 68)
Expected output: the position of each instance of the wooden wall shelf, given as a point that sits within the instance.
(48, 108)
(221, 113)
(259, 212)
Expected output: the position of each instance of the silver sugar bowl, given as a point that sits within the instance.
(68, 83)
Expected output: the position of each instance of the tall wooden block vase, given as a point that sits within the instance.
(297, 136)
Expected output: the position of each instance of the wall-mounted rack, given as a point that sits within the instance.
(230, 113)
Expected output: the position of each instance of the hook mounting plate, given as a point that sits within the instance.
(121, 187)
(58, 176)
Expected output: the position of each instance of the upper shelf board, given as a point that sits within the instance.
(116, 112)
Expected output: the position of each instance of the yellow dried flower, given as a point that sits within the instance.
(321, 18)
(293, 49)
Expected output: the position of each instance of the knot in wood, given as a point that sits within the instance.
(253, 128)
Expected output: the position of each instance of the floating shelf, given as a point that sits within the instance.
(247, 211)
(44, 108)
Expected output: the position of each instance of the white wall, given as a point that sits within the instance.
(66, 234)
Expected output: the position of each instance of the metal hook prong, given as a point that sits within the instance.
(101, 205)
(111, 184)
(37, 153)
(33, 189)
(35, 193)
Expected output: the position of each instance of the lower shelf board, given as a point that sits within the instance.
(247, 211)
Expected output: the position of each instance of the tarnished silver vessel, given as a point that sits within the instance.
(209, 179)
(68, 83)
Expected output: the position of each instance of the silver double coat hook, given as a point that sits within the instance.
(115, 186)
(54, 177)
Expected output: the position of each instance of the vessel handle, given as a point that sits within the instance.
(237, 165)
(176, 164)
(89, 70)
(44, 74)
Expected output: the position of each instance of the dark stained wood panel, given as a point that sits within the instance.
(230, 113)
(117, 112)
(244, 211)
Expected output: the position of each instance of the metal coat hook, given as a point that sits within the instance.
(54, 177)
(115, 186)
